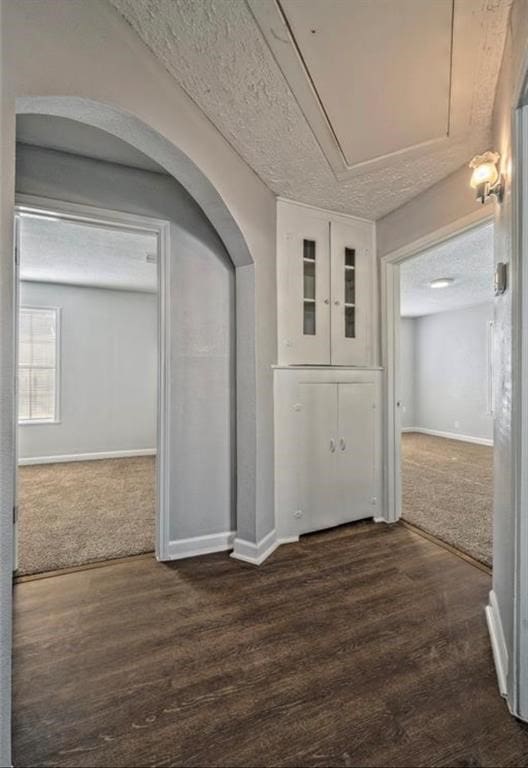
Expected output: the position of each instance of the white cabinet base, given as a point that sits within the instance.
(327, 447)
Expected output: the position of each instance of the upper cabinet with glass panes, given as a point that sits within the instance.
(326, 288)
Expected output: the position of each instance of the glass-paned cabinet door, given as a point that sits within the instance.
(309, 287)
(303, 286)
(351, 299)
(349, 277)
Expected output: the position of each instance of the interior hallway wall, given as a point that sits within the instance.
(107, 372)
(504, 544)
(203, 419)
(87, 63)
(444, 361)
(445, 203)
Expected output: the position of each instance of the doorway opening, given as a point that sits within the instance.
(446, 391)
(89, 369)
(439, 350)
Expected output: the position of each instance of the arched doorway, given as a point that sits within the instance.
(135, 132)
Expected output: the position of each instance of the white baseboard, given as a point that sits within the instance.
(498, 643)
(255, 553)
(87, 456)
(201, 545)
(450, 435)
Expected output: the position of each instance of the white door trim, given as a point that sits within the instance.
(390, 341)
(518, 702)
(111, 218)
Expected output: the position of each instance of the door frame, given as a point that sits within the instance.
(108, 218)
(390, 347)
(519, 282)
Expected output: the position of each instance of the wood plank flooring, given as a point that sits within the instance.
(361, 646)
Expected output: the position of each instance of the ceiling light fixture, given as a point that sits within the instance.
(442, 282)
(486, 178)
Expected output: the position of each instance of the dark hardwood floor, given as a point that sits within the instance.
(361, 646)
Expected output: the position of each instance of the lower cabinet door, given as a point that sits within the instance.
(356, 450)
(317, 466)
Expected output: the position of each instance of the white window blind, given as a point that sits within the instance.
(37, 364)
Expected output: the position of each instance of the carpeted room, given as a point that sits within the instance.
(446, 387)
(87, 393)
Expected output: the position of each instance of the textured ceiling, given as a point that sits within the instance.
(468, 258)
(73, 253)
(67, 135)
(215, 50)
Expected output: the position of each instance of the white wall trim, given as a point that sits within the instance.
(200, 545)
(86, 456)
(498, 643)
(288, 540)
(450, 435)
(255, 554)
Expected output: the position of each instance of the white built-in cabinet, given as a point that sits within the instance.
(327, 389)
(328, 442)
(326, 287)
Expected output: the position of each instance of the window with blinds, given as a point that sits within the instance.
(37, 364)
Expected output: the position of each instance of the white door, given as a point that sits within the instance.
(304, 288)
(351, 294)
(319, 502)
(356, 450)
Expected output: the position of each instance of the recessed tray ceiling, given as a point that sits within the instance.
(403, 47)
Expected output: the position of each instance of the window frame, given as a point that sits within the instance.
(57, 415)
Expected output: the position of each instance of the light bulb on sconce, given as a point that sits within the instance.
(486, 178)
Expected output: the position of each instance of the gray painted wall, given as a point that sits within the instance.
(449, 200)
(505, 495)
(440, 206)
(202, 422)
(449, 378)
(407, 372)
(108, 371)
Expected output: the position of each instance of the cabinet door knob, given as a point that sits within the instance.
(336, 302)
(327, 301)
(332, 446)
(342, 444)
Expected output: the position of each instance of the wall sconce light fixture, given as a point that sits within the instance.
(486, 178)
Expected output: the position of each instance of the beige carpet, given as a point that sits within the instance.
(447, 490)
(83, 511)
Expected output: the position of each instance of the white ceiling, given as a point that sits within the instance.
(74, 253)
(382, 100)
(65, 135)
(468, 258)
